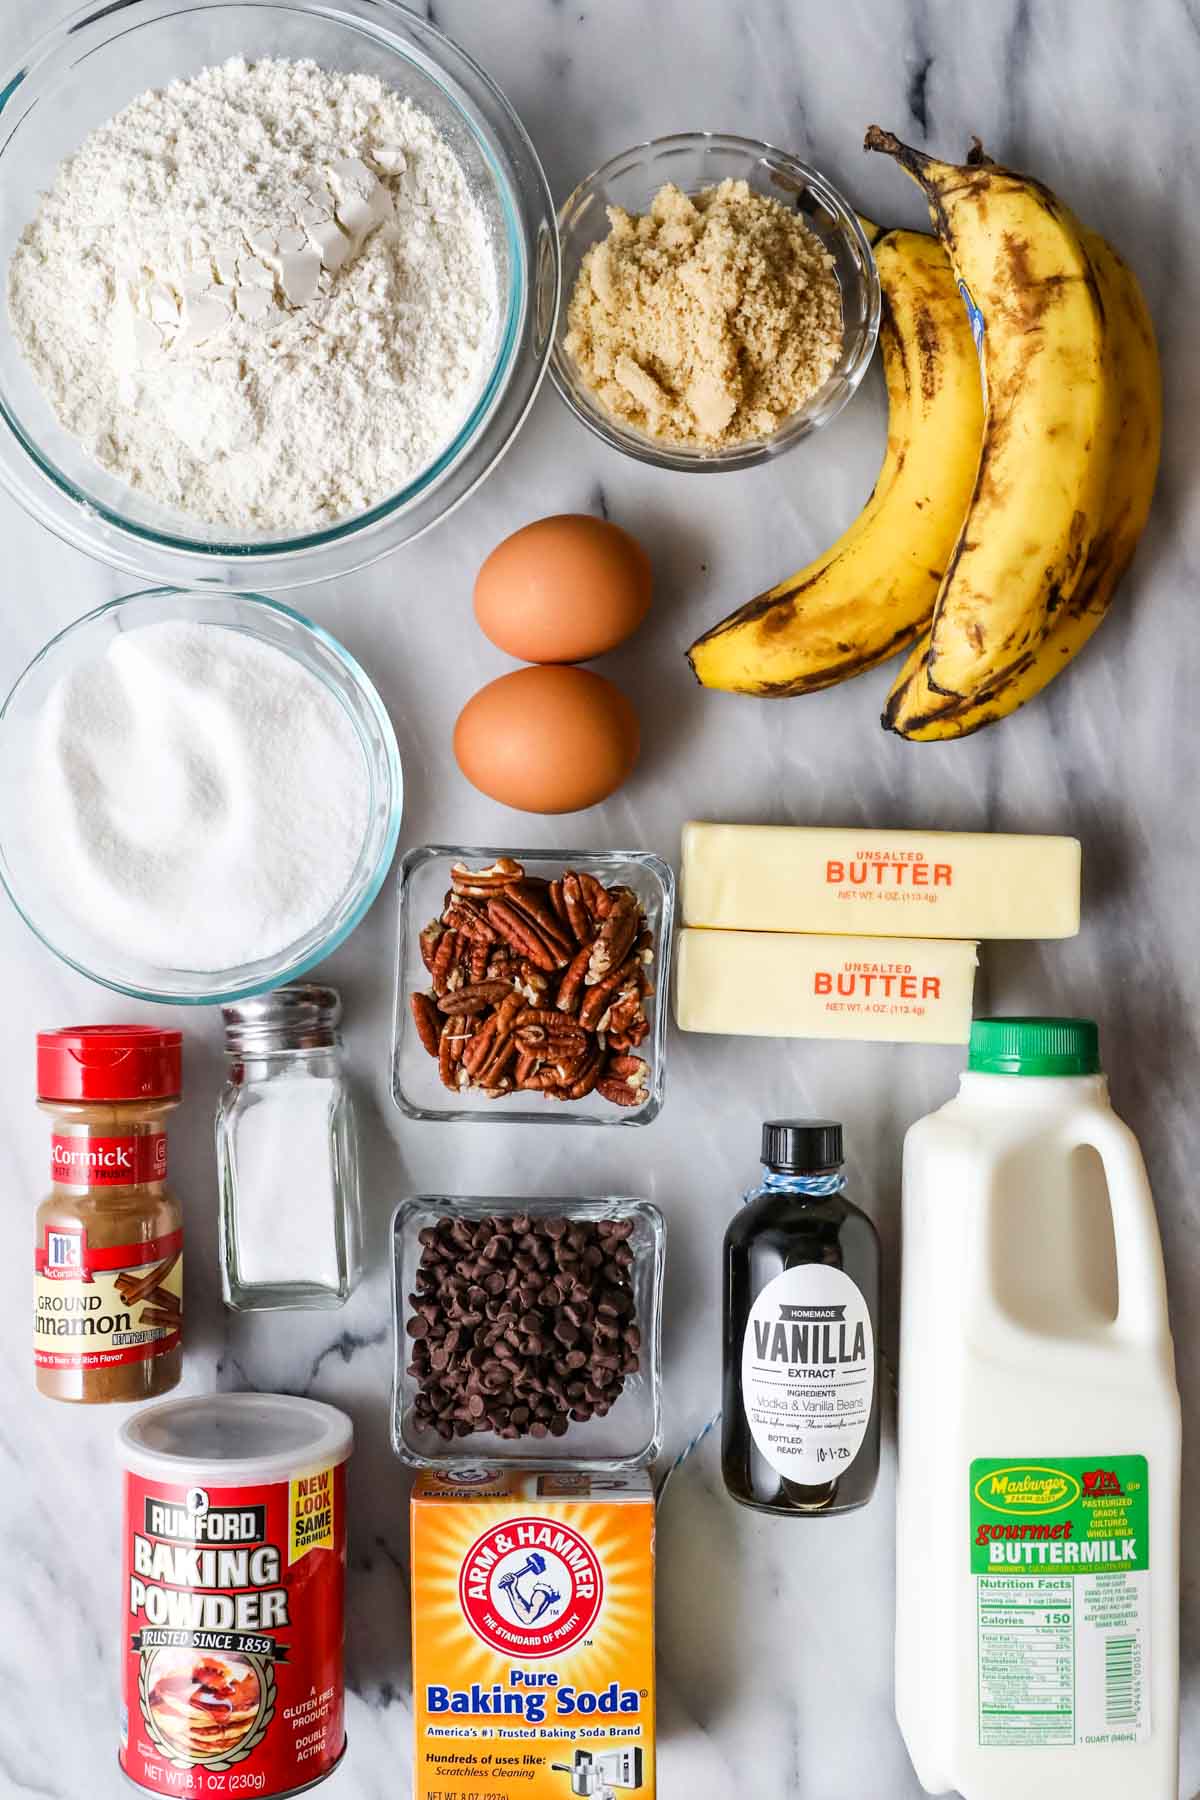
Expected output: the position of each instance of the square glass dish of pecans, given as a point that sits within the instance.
(530, 985)
(527, 1332)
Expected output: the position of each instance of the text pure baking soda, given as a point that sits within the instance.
(533, 1635)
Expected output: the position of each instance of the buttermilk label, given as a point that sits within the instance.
(808, 1373)
(1060, 1556)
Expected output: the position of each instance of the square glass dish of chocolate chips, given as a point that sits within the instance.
(527, 1332)
(531, 986)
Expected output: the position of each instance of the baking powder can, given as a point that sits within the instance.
(233, 1593)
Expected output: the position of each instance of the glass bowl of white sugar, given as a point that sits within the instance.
(282, 278)
(200, 795)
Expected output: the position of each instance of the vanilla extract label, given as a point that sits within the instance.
(808, 1373)
(810, 1334)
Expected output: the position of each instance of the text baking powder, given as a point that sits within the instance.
(233, 1595)
(265, 297)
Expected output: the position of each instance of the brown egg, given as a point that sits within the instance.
(547, 740)
(563, 589)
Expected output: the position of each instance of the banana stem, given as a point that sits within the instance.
(915, 161)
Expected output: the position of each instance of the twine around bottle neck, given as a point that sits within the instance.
(819, 1186)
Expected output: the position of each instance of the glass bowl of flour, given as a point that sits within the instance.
(281, 281)
(200, 795)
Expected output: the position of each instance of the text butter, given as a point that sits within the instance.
(945, 884)
(775, 984)
(532, 1634)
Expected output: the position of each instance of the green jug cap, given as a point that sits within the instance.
(1034, 1047)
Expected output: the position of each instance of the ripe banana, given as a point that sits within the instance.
(1028, 282)
(913, 709)
(868, 595)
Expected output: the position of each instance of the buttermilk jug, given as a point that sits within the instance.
(1038, 1501)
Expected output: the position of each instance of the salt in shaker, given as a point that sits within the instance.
(287, 1154)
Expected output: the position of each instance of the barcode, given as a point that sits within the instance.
(1120, 1702)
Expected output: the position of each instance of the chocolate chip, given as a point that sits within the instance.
(522, 1324)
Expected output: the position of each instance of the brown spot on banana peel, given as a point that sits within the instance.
(833, 674)
(1111, 554)
(775, 608)
(929, 351)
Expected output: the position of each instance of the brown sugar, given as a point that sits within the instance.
(708, 320)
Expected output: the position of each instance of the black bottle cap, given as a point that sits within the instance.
(802, 1146)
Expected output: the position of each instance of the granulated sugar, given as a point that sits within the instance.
(202, 797)
(265, 297)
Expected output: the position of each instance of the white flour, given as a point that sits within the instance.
(201, 797)
(264, 296)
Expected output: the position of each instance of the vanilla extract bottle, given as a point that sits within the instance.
(800, 1420)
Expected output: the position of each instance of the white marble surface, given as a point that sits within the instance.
(773, 1639)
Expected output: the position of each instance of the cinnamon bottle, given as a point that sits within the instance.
(108, 1271)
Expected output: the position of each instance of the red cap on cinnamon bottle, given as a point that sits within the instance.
(109, 1062)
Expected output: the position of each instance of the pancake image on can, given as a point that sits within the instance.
(202, 1706)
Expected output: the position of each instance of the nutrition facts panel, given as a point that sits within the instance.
(1026, 1660)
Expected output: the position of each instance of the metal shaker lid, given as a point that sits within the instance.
(303, 1016)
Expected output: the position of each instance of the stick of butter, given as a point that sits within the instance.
(775, 984)
(947, 884)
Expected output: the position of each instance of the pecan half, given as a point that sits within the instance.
(570, 988)
(428, 942)
(595, 895)
(427, 1020)
(465, 916)
(445, 961)
(475, 998)
(493, 1069)
(582, 1082)
(528, 898)
(510, 1010)
(625, 1082)
(556, 1043)
(522, 935)
(480, 1047)
(479, 883)
(597, 999)
(617, 936)
(578, 916)
(454, 1040)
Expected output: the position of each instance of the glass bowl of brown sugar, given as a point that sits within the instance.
(697, 162)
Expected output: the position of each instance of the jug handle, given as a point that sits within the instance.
(1141, 1282)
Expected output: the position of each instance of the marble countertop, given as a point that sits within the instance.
(774, 1640)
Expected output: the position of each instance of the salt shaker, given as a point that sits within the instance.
(287, 1154)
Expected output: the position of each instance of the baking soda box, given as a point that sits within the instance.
(533, 1635)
